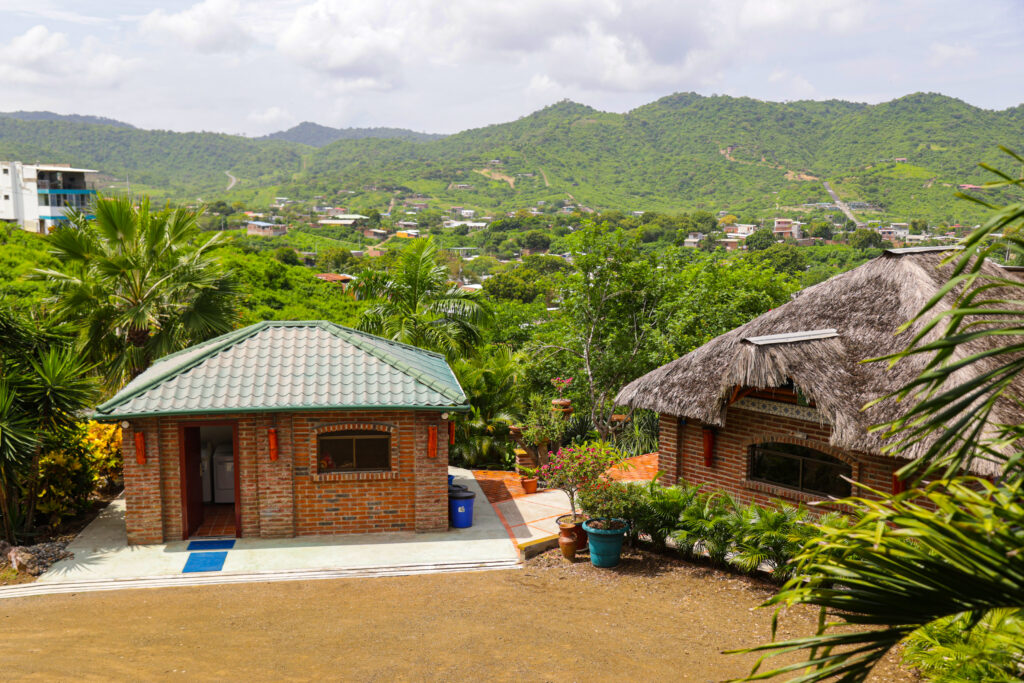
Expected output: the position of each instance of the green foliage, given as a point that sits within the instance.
(491, 384)
(771, 536)
(958, 648)
(575, 469)
(44, 386)
(938, 565)
(414, 303)
(866, 239)
(65, 478)
(138, 285)
(761, 239)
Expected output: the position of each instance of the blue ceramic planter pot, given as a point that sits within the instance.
(605, 544)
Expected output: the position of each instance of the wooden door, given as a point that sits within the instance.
(193, 480)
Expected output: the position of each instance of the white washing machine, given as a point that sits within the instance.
(223, 474)
(206, 472)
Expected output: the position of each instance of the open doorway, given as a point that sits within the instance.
(210, 505)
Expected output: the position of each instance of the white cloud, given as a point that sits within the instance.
(210, 26)
(941, 54)
(271, 116)
(45, 58)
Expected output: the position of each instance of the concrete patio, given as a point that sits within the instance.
(104, 561)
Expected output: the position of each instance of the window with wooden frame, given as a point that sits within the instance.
(799, 468)
(355, 450)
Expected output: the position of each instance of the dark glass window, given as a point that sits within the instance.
(800, 468)
(353, 451)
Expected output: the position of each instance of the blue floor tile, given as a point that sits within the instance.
(205, 562)
(226, 544)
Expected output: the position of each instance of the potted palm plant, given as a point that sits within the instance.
(528, 478)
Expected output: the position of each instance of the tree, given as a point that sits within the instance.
(761, 239)
(287, 256)
(139, 284)
(44, 386)
(918, 226)
(535, 240)
(785, 258)
(863, 238)
(939, 565)
(417, 304)
(609, 314)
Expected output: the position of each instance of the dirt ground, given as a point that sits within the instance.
(650, 619)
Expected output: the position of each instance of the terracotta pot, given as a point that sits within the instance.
(561, 402)
(529, 484)
(567, 541)
(577, 524)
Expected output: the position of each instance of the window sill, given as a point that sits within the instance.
(354, 476)
(779, 491)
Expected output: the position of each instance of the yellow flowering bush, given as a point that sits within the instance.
(72, 469)
(103, 442)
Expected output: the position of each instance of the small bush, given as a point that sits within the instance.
(104, 444)
(66, 477)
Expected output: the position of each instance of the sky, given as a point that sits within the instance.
(252, 67)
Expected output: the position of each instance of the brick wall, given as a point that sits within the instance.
(288, 497)
(681, 455)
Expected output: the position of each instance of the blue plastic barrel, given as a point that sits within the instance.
(451, 479)
(460, 508)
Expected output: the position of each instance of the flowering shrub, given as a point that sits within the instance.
(103, 442)
(561, 384)
(576, 469)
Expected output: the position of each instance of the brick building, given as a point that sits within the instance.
(287, 429)
(775, 408)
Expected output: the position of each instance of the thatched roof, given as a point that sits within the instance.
(865, 306)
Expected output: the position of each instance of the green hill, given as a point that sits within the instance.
(681, 152)
(315, 135)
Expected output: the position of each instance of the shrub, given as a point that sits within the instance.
(663, 508)
(708, 526)
(104, 445)
(770, 536)
(576, 469)
(66, 478)
(616, 499)
(958, 649)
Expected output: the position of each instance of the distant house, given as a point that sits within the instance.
(774, 409)
(407, 224)
(344, 219)
(693, 240)
(472, 225)
(264, 229)
(416, 204)
(467, 213)
(740, 229)
(375, 233)
(408, 234)
(343, 279)
(787, 228)
(456, 210)
(462, 186)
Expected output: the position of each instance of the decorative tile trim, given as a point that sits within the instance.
(314, 464)
(760, 405)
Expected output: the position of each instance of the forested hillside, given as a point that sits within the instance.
(315, 135)
(904, 158)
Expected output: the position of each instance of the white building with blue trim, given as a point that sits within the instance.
(37, 196)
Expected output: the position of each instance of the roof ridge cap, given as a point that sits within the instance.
(346, 334)
(233, 338)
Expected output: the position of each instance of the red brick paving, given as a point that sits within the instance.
(499, 486)
(218, 520)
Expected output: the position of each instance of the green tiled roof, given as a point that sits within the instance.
(290, 365)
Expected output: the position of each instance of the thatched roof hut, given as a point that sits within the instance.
(850, 317)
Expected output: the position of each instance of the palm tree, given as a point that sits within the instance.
(491, 383)
(140, 284)
(418, 304)
(44, 386)
(945, 560)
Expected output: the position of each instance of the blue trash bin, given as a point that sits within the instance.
(460, 508)
(451, 479)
